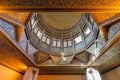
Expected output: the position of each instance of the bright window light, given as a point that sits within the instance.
(65, 44)
(48, 41)
(54, 43)
(58, 44)
(87, 31)
(32, 21)
(78, 39)
(39, 34)
(35, 30)
(44, 38)
(33, 26)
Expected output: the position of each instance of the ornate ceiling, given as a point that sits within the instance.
(19, 16)
(19, 58)
(61, 5)
(100, 17)
(61, 20)
(56, 5)
(9, 58)
(52, 3)
(106, 7)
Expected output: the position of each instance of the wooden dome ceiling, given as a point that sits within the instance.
(61, 20)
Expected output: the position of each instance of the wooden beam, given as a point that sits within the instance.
(60, 8)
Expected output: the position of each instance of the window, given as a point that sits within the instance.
(58, 43)
(29, 25)
(35, 30)
(33, 26)
(78, 39)
(32, 21)
(65, 43)
(48, 41)
(39, 34)
(44, 38)
(54, 43)
(33, 18)
(90, 19)
(87, 31)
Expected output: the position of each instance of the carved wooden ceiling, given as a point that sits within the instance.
(108, 8)
(11, 57)
(100, 17)
(23, 16)
(19, 16)
(59, 3)
(78, 5)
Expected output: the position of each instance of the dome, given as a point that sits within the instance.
(61, 20)
(61, 33)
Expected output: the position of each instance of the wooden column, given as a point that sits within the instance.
(31, 74)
